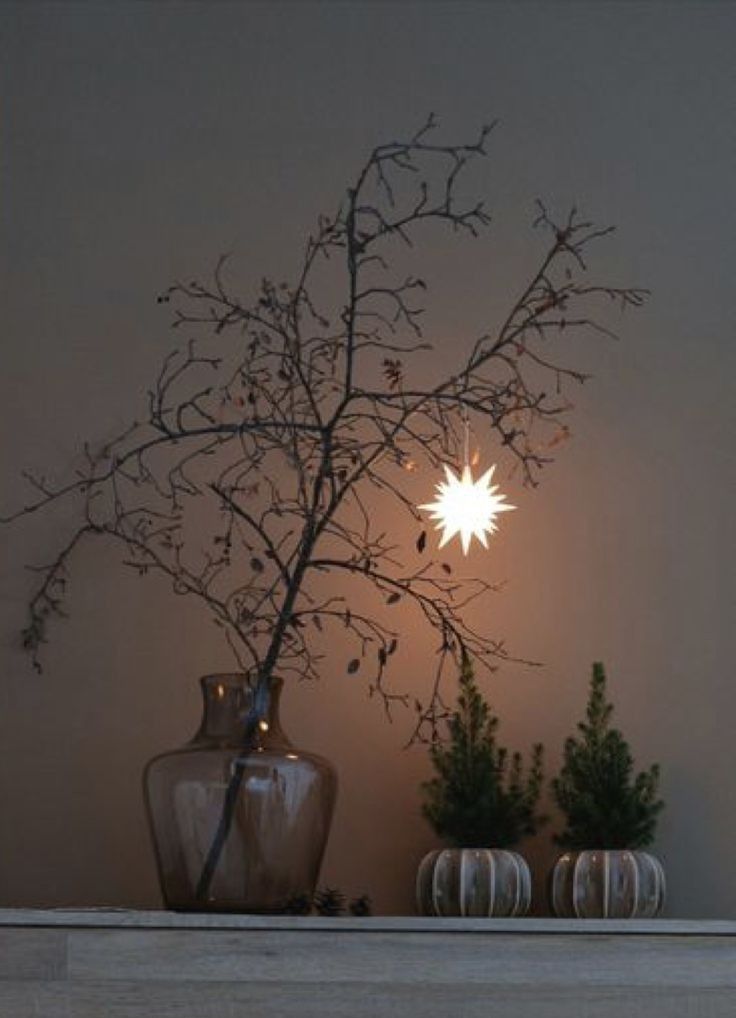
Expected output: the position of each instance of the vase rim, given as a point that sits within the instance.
(230, 679)
(236, 679)
(579, 851)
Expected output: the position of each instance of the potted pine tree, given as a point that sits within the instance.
(610, 817)
(482, 803)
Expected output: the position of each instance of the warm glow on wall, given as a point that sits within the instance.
(467, 507)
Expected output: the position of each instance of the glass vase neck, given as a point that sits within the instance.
(227, 700)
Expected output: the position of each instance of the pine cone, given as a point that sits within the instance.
(361, 906)
(329, 901)
(300, 904)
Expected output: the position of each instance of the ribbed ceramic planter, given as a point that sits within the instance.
(473, 882)
(600, 884)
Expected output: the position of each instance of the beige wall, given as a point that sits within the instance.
(140, 141)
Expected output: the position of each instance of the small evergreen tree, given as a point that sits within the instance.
(603, 804)
(480, 797)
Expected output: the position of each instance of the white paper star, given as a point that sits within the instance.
(467, 507)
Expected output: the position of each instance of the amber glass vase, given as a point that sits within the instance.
(275, 803)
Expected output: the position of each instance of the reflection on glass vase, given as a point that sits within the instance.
(275, 804)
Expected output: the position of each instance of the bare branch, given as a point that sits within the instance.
(290, 415)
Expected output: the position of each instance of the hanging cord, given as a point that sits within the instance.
(466, 439)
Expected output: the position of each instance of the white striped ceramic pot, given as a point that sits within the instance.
(473, 882)
(608, 884)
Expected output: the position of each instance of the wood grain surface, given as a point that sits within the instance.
(129, 965)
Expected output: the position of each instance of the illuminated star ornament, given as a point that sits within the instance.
(467, 507)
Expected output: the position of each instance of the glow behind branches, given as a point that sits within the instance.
(467, 507)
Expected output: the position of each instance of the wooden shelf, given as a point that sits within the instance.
(107, 963)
